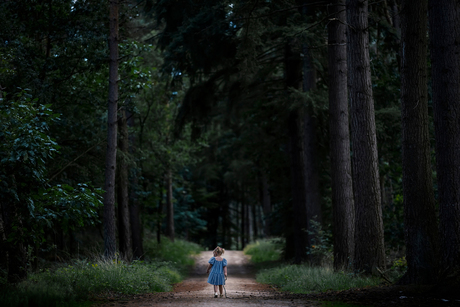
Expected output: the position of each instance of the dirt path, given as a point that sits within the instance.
(242, 289)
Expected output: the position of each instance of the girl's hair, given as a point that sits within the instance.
(219, 251)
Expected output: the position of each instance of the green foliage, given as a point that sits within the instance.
(178, 252)
(306, 279)
(68, 207)
(85, 280)
(265, 250)
(321, 248)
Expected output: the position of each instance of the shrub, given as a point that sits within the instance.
(264, 250)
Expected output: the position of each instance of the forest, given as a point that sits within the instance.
(330, 125)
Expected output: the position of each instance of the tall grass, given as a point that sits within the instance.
(178, 252)
(307, 279)
(299, 278)
(264, 250)
(83, 280)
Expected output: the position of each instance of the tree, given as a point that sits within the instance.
(422, 241)
(342, 187)
(369, 246)
(444, 20)
(112, 123)
(124, 225)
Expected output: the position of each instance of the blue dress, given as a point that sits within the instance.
(216, 276)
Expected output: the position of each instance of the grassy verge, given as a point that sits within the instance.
(265, 250)
(83, 280)
(266, 255)
(307, 279)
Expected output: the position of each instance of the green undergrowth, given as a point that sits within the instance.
(179, 253)
(266, 254)
(83, 281)
(265, 250)
(307, 279)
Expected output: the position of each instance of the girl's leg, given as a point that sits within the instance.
(221, 289)
(215, 289)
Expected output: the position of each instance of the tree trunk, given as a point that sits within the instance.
(296, 128)
(124, 227)
(169, 207)
(266, 203)
(342, 185)
(243, 224)
(160, 213)
(421, 232)
(134, 219)
(111, 156)
(444, 20)
(255, 230)
(369, 247)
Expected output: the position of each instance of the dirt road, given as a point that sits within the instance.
(242, 289)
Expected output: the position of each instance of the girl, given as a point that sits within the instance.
(218, 268)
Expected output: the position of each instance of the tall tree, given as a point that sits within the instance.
(265, 201)
(169, 205)
(369, 246)
(421, 233)
(444, 20)
(296, 131)
(342, 187)
(112, 125)
(124, 226)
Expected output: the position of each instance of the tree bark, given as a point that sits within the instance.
(444, 20)
(342, 184)
(296, 128)
(111, 155)
(124, 227)
(266, 202)
(369, 246)
(421, 232)
(169, 207)
(134, 218)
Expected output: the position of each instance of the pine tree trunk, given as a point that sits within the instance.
(124, 227)
(111, 156)
(369, 246)
(169, 207)
(296, 128)
(266, 203)
(134, 218)
(444, 20)
(422, 247)
(342, 185)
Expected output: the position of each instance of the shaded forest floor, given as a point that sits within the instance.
(243, 290)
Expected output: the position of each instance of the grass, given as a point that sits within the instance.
(308, 279)
(82, 281)
(264, 250)
(177, 253)
(300, 278)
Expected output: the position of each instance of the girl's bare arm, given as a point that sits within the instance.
(209, 268)
(225, 271)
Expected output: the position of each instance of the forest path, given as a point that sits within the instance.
(242, 289)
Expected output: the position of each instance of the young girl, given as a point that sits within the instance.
(218, 268)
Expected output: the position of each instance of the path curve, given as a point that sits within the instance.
(242, 289)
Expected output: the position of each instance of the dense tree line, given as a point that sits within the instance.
(227, 121)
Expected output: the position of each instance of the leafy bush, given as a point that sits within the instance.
(307, 279)
(264, 250)
(84, 280)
